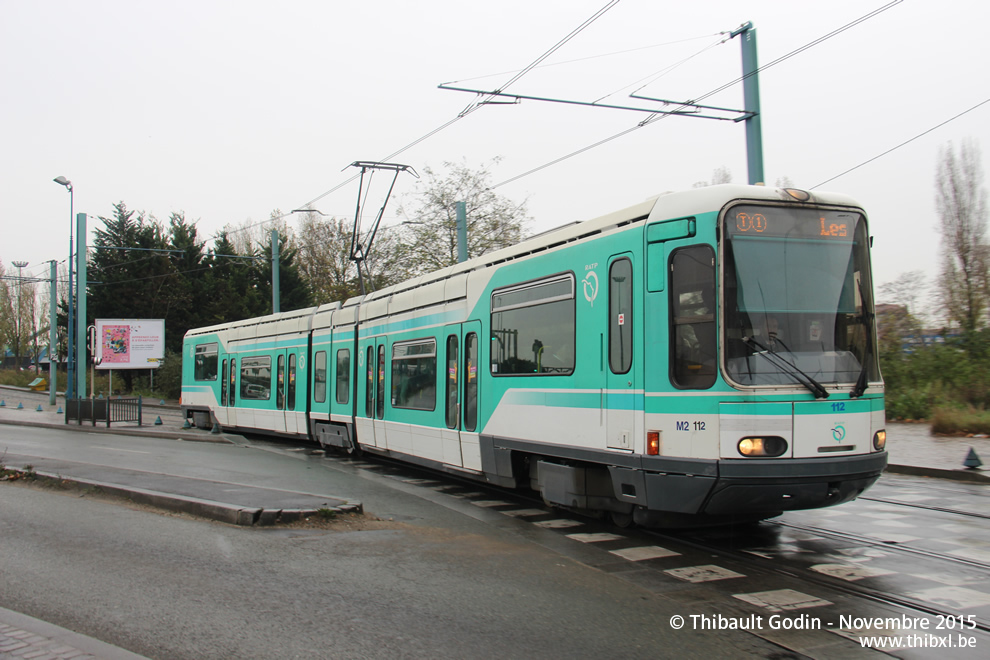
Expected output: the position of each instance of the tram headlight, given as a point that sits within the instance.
(798, 194)
(880, 439)
(767, 446)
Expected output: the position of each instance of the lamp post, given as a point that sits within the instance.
(70, 353)
(17, 318)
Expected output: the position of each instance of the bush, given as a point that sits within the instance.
(950, 420)
(912, 403)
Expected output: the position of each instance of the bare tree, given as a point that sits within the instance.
(719, 175)
(960, 199)
(324, 258)
(8, 313)
(430, 229)
(906, 290)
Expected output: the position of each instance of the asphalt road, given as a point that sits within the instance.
(442, 579)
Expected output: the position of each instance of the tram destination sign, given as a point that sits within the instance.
(129, 343)
(784, 222)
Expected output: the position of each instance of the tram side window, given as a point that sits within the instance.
(256, 378)
(380, 389)
(223, 384)
(343, 374)
(291, 387)
(414, 374)
(693, 339)
(206, 362)
(451, 409)
(620, 298)
(233, 377)
(280, 384)
(471, 382)
(533, 328)
(320, 377)
(369, 394)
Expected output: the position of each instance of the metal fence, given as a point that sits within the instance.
(103, 410)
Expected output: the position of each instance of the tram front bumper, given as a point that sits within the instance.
(765, 485)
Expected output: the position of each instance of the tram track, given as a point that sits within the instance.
(865, 540)
(927, 507)
(810, 577)
(739, 557)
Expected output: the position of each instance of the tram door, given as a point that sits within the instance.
(370, 406)
(450, 433)
(232, 393)
(381, 391)
(620, 367)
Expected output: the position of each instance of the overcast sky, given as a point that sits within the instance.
(228, 110)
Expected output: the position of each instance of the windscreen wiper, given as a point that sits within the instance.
(860, 387)
(790, 369)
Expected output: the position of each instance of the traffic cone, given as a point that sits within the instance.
(216, 429)
(162, 402)
(38, 409)
(972, 460)
(3, 404)
(186, 424)
(59, 411)
(20, 406)
(158, 421)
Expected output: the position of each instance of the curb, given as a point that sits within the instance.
(132, 431)
(231, 514)
(964, 475)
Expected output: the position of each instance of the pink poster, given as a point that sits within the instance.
(116, 343)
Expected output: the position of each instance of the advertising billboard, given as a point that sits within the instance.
(129, 343)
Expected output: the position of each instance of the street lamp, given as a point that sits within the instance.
(70, 353)
(17, 319)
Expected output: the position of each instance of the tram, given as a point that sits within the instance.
(702, 357)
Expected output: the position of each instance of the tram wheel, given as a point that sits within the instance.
(622, 520)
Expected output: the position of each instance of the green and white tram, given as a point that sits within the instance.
(703, 356)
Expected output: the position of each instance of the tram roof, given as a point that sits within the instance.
(665, 206)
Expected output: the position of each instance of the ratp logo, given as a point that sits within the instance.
(839, 433)
(590, 287)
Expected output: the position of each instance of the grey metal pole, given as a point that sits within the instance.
(52, 332)
(275, 292)
(19, 265)
(462, 250)
(81, 303)
(751, 100)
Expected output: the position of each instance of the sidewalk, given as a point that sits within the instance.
(236, 504)
(23, 637)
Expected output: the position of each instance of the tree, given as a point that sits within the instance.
(294, 291)
(719, 175)
(8, 313)
(131, 276)
(430, 229)
(230, 283)
(324, 258)
(189, 287)
(960, 199)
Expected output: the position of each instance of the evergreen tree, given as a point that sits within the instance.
(231, 284)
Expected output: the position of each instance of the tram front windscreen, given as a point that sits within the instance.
(797, 295)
